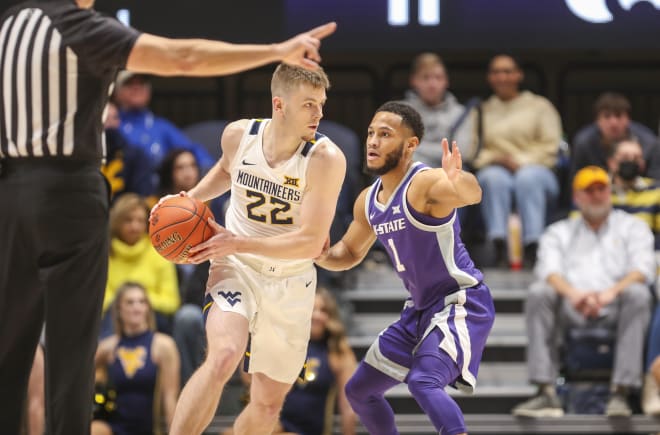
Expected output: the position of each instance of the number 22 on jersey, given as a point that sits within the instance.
(276, 214)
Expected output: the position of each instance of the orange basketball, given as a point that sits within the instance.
(178, 224)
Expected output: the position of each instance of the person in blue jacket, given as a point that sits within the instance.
(141, 127)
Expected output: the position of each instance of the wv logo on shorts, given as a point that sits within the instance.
(232, 297)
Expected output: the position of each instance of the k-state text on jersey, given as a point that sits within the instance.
(390, 227)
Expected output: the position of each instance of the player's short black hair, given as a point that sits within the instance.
(410, 117)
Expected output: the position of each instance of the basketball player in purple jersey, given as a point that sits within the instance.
(442, 331)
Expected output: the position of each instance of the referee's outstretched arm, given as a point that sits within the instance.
(200, 57)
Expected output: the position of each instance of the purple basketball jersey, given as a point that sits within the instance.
(426, 252)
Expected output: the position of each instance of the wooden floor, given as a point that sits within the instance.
(417, 424)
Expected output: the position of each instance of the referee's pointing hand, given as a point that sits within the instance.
(303, 50)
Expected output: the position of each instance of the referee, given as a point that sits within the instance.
(58, 59)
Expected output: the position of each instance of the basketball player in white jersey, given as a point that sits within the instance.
(285, 179)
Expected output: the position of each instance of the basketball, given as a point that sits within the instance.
(178, 224)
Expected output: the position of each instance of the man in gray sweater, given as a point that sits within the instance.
(441, 112)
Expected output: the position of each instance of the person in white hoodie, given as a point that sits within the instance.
(443, 116)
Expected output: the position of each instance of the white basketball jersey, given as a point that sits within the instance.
(266, 201)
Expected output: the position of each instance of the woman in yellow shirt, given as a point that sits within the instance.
(133, 258)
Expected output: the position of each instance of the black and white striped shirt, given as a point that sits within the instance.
(57, 63)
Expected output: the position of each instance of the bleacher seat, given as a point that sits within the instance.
(208, 134)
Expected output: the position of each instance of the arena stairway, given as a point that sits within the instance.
(502, 382)
(375, 302)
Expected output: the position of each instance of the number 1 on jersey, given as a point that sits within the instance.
(399, 267)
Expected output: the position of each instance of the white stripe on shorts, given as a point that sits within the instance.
(464, 343)
(448, 343)
(376, 359)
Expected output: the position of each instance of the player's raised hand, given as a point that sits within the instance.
(303, 49)
(452, 162)
(218, 246)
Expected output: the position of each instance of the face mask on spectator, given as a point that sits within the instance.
(628, 170)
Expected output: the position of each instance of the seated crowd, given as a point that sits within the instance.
(514, 151)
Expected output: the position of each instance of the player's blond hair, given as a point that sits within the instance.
(287, 78)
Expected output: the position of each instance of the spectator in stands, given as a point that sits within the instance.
(133, 258)
(141, 127)
(442, 114)
(640, 196)
(179, 171)
(593, 271)
(309, 407)
(593, 143)
(631, 191)
(139, 365)
(521, 132)
(127, 168)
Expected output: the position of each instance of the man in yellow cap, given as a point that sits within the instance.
(593, 271)
(589, 176)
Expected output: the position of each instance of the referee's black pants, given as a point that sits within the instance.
(53, 268)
